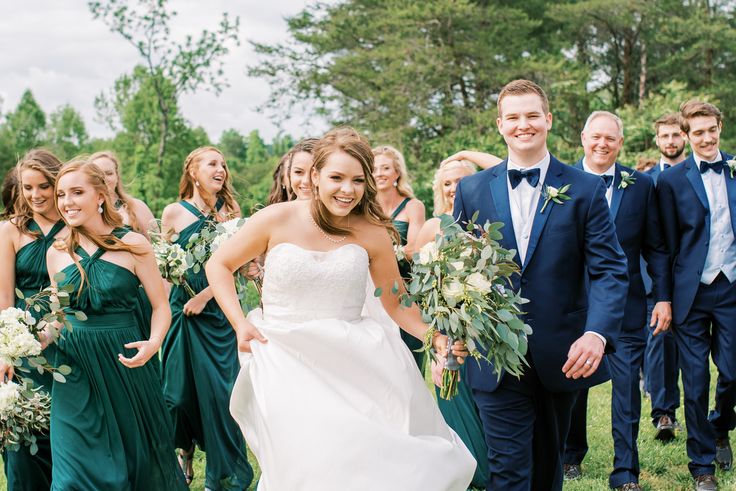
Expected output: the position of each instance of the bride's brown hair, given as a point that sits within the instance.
(348, 140)
(110, 216)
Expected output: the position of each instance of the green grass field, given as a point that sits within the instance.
(663, 466)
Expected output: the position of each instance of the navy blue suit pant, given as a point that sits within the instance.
(709, 329)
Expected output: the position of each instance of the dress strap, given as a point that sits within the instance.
(400, 208)
(219, 203)
(56, 229)
(193, 209)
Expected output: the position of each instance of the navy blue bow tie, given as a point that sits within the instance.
(608, 179)
(666, 166)
(716, 167)
(531, 176)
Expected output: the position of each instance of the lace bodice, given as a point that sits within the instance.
(301, 285)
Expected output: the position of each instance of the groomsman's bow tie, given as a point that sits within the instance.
(716, 167)
(666, 166)
(608, 179)
(531, 176)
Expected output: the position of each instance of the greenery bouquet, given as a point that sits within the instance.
(462, 285)
(20, 331)
(24, 411)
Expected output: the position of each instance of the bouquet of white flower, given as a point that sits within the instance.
(461, 283)
(224, 231)
(20, 331)
(171, 261)
(24, 412)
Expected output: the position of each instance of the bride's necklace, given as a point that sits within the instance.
(324, 234)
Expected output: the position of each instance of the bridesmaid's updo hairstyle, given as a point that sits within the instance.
(348, 140)
(186, 184)
(397, 159)
(441, 205)
(125, 199)
(41, 161)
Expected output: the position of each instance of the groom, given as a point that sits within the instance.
(560, 246)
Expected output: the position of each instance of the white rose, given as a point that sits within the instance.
(453, 290)
(478, 282)
(428, 253)
(552, 192)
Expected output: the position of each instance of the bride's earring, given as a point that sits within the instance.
(396, 183)
(99, 208)
(196, 183)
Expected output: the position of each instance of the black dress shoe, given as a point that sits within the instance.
(724, 456)
(665, 429)
(629, 486)
(706, 482)
(572, 472)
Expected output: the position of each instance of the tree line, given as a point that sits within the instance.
(422, 76)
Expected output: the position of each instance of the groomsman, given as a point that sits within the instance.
(632, 201)
(660, 361)
(697, 202)
(558, 221)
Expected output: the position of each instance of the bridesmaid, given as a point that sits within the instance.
(24, 240)
(299, 162)
(109, 425)
(460, 413)
(135, 212)
(199, 355)
(136, 215)
(407, 213)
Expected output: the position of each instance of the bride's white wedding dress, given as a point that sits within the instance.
(334, 401)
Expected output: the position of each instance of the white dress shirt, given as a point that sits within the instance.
(611, 171)
(523, 203)
(721, 244)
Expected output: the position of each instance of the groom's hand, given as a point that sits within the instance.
(584, 356)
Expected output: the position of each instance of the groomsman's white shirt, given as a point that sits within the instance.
(721, 245)
(523, 203)
(611, 171)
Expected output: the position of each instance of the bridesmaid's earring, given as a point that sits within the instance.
(99, 209)
(396, 183)
(196, 183)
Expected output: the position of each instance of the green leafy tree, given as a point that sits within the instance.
(173, 68)
(66, 132)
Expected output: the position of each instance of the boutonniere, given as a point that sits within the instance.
(556, 195)
(626, 180)
(731, 166)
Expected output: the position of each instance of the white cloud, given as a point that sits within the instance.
(64, 56)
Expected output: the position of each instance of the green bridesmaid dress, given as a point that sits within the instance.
(405, 268)
(461, 414)
(109, 425)
(200, 364)
(26, 472)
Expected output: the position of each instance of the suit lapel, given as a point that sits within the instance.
(618, 194)
(693, 175)
(731, 191)
(500, 195)
(554, 179)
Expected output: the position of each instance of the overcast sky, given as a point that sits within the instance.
(56, 49)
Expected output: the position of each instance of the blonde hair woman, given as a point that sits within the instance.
(396, 198)
(460, 412)
(109, 429)
(135, 212)
(199, 355)
(24, 239)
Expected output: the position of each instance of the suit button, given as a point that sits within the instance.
(524, 281)
(700, 272)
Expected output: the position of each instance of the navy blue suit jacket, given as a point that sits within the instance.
(566, 241)
(685, 215)
(635, 215)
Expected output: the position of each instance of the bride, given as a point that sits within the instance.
(329, 400)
